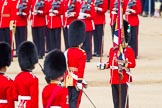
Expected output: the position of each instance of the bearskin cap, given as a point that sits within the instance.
(27, 55)
(5, 54)
(76, 33)
(54, 64)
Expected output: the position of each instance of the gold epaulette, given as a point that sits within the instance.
(59, 83)
(54, 82)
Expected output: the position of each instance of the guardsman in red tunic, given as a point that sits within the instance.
(133, 9)
(123, 78)
(20, 11)
(26, 82)
(7, 90)
(5, 17)
(71, 13)
(55, 95)
(87, 13)
(101, 7)
(76, 60)
(55, 10)
(38, 22)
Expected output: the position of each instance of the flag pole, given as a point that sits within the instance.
(119, 45)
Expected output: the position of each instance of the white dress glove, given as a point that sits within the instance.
(79, 86)
(101, 66)
(129, 11)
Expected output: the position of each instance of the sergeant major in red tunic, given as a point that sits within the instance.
(76, 60)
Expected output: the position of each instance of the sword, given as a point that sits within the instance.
(89, 99)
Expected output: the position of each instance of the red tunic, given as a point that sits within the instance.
(68, 20)
(89, 20)
(60, 97)
(20, 20)
(27, 87)
(38, 20)
(132, 18)
(7, 92)
(99, 18)
(129, 56)
(5, 13)
(55, 21)
(76, 60)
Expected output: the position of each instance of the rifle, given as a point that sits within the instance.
(87, 6)
(39, 4)
(116, 4)
(55, 5)
(98, 3)
(129, 6)
(131, 3)
(71, 7)
(70, 10)
(21, 7)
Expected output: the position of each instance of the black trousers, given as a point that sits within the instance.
(115, 94)
(55, 38)
(146, 7)
(97, 38)
(73, 96)
(65, 33)
(87, 45)
(5, 35)
(38, 34)
(20, 36)
(133, 42)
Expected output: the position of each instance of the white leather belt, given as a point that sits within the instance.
(3, 101)
(55, 107)
(113, 67)
(24, 97)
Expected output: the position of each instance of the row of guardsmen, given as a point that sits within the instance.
(63, 73)
(48, 17)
